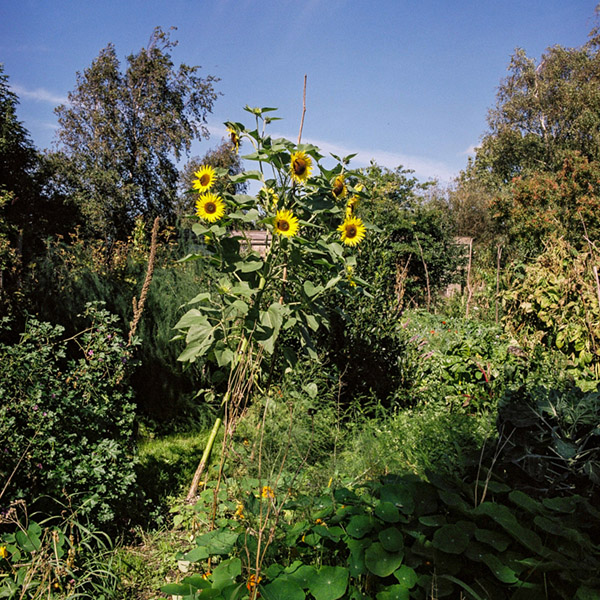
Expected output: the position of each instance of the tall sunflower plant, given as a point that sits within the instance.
(310, 218)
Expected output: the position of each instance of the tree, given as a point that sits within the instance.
(543, 112)
(121, 132)
(18, 160)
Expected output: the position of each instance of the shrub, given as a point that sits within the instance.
(67, 416)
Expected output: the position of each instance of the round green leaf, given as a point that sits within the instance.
(451, 539)
(381, 562)
(359, 525)
(329, 583)
(387, 512)
(391, 539)
(282, 589)
(394, 592)
(406, 576)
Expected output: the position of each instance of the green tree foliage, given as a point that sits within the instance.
(122, 131)
(17, 163)
(563, 203)
(543, 112)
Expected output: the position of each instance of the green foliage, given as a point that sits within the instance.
(549, 438)
(57, 558)
(553, 301)
(66, 417)
(120, 131)
(76, 271)
(542, 205)
(543, 112)
(402, 537)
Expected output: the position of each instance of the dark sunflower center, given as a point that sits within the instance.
(300, 167)
(351, 231)
(205, 179)
(283, 226)
(210, 208)
(338, 189)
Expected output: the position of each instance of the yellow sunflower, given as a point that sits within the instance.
(286, 223)
(205, 177)
(300, 166)
(234, 138)
(210, 207)
(339, 187)
(351, 205)
(352, 230)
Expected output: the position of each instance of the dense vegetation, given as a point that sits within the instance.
(184, 415)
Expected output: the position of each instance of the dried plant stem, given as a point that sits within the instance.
(138, 307)
(498, 257)
(426, 272)
(469, 286)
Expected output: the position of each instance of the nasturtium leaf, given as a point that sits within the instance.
(387, 512)
(197, 581)
(433, 520)
(225, 573)
(501, 571)
(565, 505)
(359, 525)
(177, 589)
(196, 554)
(219, 541)
(302, 575)
(524, 501)
(381, 562)
(496, 539)
(399, 495)
(391, 539)
(329, 583)
(394, 592)
(406, 576)
(451, 539)
(282, 588)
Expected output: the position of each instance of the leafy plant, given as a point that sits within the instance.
(67, 420)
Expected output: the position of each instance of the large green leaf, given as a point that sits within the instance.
(359, 525)
(451, 539)
(283, 588)
(391, 539)
(381, 562)
(504, 573)
(406, 576)
(329, 583)
(394, 592)
(225, 573)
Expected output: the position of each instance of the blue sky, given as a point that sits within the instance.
(403, 82)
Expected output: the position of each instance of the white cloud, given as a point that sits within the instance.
(424, 168)
(39, 94)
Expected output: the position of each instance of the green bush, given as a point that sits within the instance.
(67, 416)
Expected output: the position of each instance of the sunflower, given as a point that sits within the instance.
(352, 230)
(351, 205)
(300, 166)
(234, 138)
(205, 178)
(339, 187)
(210, 207)
(286, 223)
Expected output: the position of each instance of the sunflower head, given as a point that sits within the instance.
(210, 207)
(339, 189)
(352, 230)
(286, 223)
(300, 166)
(205, 177)
(234, 138)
